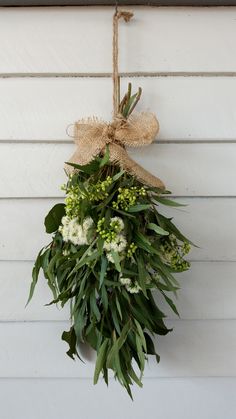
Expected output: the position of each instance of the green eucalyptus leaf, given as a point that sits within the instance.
(118, 175)
(91, 336)
(141, 335)
(168, 202)
(53, 219)
(116, 259)
(104, 297)
(115, 318)
(117, 345)
(70, 338)
(35, 275)
(126, 214)
(118, 307)
(94, 307)
(157, 229)
(101, 360)
(100, 243)
(170, 303)
(51, 273)
(85, 258)
(105, 158)
(140, 207)
(80, 320)
(104, 264)
(150, 347)
(144, 243)
(134, 377)
(89, 169)
(140, 352)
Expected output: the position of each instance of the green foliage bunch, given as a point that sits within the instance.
(111, 256)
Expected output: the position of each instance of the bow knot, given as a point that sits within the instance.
(110, 133)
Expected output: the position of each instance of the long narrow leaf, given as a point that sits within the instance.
(100, 360)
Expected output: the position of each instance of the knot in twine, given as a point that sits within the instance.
(92, 136)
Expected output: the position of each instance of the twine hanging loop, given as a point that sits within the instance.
(92, 135)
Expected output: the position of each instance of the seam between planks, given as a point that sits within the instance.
(190, 260)
(156, 142)
(169, 319)
(175, 377)
(133, 74)
(17, 198)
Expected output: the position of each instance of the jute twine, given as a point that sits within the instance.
(92, 135)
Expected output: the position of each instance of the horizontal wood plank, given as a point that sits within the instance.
(186, 169)
(210, 223)
(209, 398)
(188, 108)
(208, 291)
(194, 348)
(78, 40)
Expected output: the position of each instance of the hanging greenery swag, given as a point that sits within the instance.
(113, 253)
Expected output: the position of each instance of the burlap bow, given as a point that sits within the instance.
(92, 136)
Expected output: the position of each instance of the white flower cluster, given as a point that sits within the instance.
(118, 223)
(132, 288)
(119, 243)
(74, 232)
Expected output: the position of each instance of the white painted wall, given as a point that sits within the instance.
(186, 61)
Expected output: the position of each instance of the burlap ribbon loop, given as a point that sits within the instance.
(92, 136)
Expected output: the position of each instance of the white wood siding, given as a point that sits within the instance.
(55, 66)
